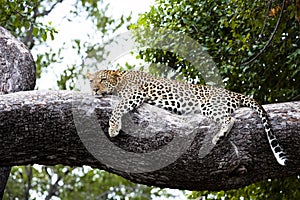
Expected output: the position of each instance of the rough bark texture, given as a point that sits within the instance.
(153, 148)
(17, 67)
(17, 73)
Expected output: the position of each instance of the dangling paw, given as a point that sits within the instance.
(218, 138)
(113, 130)
(225, 129)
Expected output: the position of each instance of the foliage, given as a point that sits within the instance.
(233, 32)
(21, 18)
(278, 189)
(66, 183)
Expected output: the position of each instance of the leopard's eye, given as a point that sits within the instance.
(102, 80)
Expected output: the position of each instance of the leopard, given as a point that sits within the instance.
(136, 87)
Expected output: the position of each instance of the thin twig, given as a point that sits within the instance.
(271, 37)
(28, 170)
(266, 17)
(46, 12)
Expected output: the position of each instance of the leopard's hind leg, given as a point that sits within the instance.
(219, 108)
(227, 124)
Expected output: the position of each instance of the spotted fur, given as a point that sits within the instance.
(135, 88)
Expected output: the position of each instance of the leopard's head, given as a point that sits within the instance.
(104, 82)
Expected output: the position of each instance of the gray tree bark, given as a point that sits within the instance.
(17, 73)
(154, 147)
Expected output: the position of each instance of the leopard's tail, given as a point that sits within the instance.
(278, 151)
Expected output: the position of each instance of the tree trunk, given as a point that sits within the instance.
(17, 73)
(154, 147)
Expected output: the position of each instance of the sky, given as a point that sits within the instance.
(79, 28)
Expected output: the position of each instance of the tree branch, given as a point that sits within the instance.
(154, 146)
(4, 174)
(27, 186)
(270, 38)
(17, 73)
(46, 12)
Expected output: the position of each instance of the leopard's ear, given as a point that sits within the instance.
(116, 73)
(90, 76)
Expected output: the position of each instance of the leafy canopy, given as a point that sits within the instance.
(234, 32)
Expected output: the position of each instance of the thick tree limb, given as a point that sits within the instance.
(17, 67)
(160, 149)
(17, 73)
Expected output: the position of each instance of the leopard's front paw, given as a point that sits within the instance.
(217, 139)
(113, 130)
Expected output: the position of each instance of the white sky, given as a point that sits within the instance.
(79, 28)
